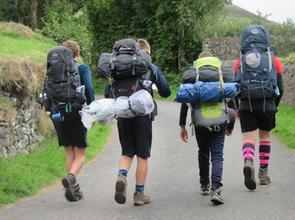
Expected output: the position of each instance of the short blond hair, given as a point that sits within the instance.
(73, 46)
(144, 45)
(205, 53)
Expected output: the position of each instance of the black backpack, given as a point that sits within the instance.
(62, 80)
(127, 68)
(256, 75)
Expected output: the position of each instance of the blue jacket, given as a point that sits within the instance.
(158, 78)
(86, 80)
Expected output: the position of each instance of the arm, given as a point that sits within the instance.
(160, 81)
(182, 122)
(85, 75)
(279, 69)
(232, 108)
(281, 89)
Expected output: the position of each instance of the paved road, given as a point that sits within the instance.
(172, 184)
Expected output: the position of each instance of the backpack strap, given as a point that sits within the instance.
(68, 107)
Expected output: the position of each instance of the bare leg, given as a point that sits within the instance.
(125, 162)
(69, 158)
(141, 170)
(250, 135)
(80, 154)
(264, 135)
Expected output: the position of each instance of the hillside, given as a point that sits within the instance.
(234, 11)
(22, 61)
(18, 41)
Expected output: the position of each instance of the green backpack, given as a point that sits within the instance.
(209, 114)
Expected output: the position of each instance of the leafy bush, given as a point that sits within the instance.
(62, 24)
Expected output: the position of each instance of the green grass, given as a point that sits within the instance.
(285, 120)
(23, 176)
(13, 45)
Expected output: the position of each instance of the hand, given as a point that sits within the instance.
(238, 114)
(183, 134)
(228, 132)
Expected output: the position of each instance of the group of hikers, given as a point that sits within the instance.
(129, 68)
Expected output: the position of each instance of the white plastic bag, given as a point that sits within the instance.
(122, 108)
(100, 111)
(141, 102)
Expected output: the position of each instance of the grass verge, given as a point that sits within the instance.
(25, 175)
(285, 120)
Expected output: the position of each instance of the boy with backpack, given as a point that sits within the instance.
(64, 98)
(210, 132)
(259, 73)
(135, 133)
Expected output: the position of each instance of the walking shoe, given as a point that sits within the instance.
(263, 177)
(78, 194)
(249, 175)
(141, 199)
(68, 182)
(205, 190)
(216, 198)
(121, 185)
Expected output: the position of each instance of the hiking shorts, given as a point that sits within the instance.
(71, 133)
(135, 136)
(250, 121)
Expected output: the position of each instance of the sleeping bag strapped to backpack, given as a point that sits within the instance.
(256, 75)
(62, 80)
(210, 114)
(127, 68)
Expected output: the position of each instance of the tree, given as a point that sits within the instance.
(34, 14)
(173, 27)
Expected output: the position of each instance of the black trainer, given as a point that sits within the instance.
(205, 190)
(215, 197)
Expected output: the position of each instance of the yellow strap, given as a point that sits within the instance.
(211, 61)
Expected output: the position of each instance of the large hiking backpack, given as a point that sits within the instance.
(127, 68)
(61, 84)
(256, 74)
(210, 114)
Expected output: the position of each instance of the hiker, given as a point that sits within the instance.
(259, 73)
(64, 101)
(209, 135)
(84, 71)
(135, 133)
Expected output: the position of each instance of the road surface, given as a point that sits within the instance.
(172, 184)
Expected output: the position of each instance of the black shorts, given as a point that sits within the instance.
(71, 133)
(250, 121)
(135, 136)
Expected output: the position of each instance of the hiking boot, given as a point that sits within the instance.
(78, 194)
(121, 185)
(249, 175)
(205, 190)
(141, 199)
(68, 182)
(263, 177)
(215, 197)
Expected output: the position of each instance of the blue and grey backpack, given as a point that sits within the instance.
(256, 75)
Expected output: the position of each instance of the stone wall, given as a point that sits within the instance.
(18, 134)
(19, 85)
(226, 48)
(289, 84)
